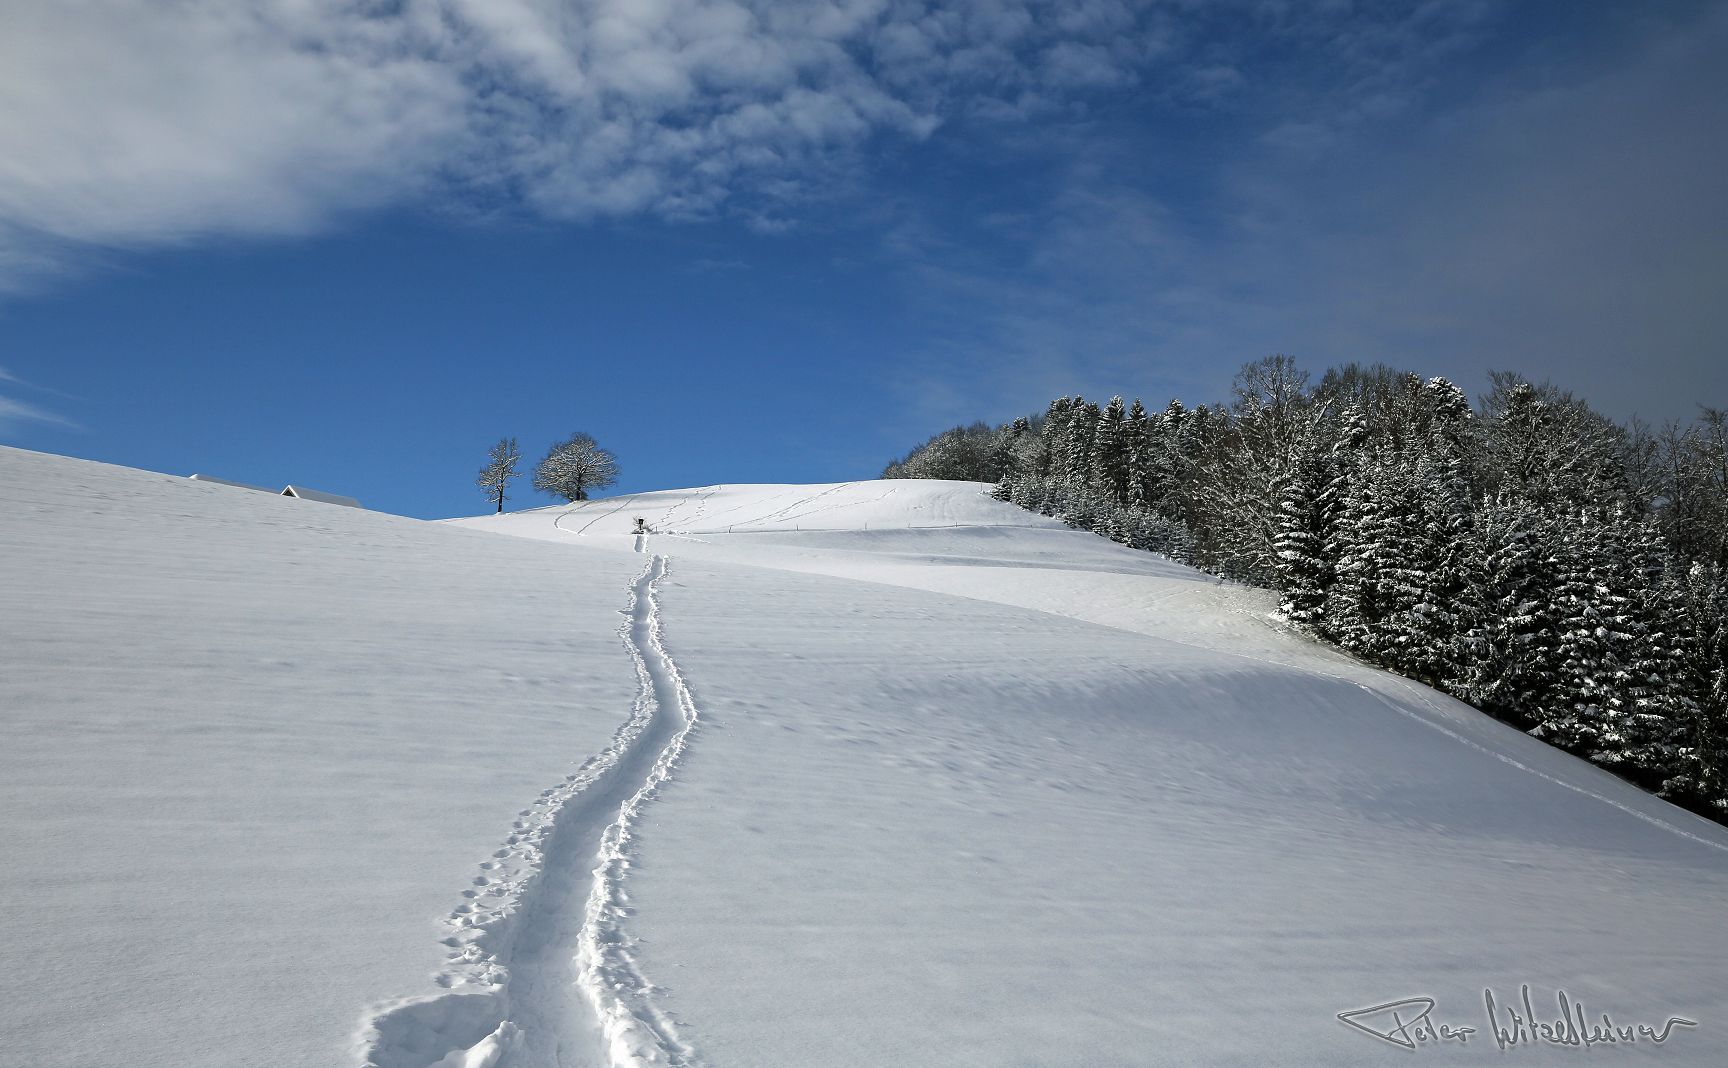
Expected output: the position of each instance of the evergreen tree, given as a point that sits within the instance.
(1514, 670)
(1137, 432)
(1448, 555)
(1556, 570)
(1305, 517)
(1348, 514)
(1663, 707)
(1110, 456)
(1595, 626)
(1700, 771)
(1076, 454)
(1008, 453)
(1398, 559)
(1053, 437)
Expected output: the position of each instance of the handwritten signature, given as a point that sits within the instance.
(1409, 1023)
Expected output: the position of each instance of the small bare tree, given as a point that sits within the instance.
(499, 472)
(574, 466)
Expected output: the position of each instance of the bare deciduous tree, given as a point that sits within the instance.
(574, 466)
(499, 472)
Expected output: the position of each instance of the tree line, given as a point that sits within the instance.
(1527, 554)
(570, 469)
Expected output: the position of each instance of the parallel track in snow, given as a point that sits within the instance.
(558, 522)
(543, 972)
(637, 1031)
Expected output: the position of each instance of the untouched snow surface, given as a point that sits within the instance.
(878, 773)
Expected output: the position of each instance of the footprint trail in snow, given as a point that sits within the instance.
(542, 971)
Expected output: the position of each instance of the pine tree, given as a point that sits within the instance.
(1176, 435)
(1137, 430)
(1304, 521)
(1556, 570)
(1008, 450)
(1077, 443)
(1595, 627)
(1109, 452)
(1053, 436)
(1349, 507)
(1401, 558)
(1450, 555)
(1116, 525)
(1700, 773)
(1663, 707)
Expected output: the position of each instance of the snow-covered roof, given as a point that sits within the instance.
(229, 482)
(306, 494)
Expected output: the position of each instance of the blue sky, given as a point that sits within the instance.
(351, 245)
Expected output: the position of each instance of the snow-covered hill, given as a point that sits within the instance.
(865, 774)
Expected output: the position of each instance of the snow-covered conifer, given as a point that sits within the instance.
(1304, 519)
(1077, 443)
(1700, 774)
(1110, 451)
(1533, 559)
(1053, 436)
(1514, 672)
(1137, 429)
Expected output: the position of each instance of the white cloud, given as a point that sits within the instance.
(14, 413)
(1570, 226)
(135, 122)
(131, 121)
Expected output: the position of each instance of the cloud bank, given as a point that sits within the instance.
(127, 123)
(1567, 221)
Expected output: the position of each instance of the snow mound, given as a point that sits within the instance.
(895, 504)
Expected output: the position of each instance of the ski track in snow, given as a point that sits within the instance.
(781, 513)
(541, 968)
(838, 507)
(558, 520)
(1520, 765)
(664, 526)
(583, 529)
(1424, 696)
(802, 499)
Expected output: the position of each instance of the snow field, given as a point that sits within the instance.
(991, 794)
(968, 788)
(254, 748)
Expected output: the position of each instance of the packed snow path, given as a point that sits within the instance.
(547, 958)
(636, 1030)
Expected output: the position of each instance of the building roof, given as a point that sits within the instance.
(307, 494)
(229, 482)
